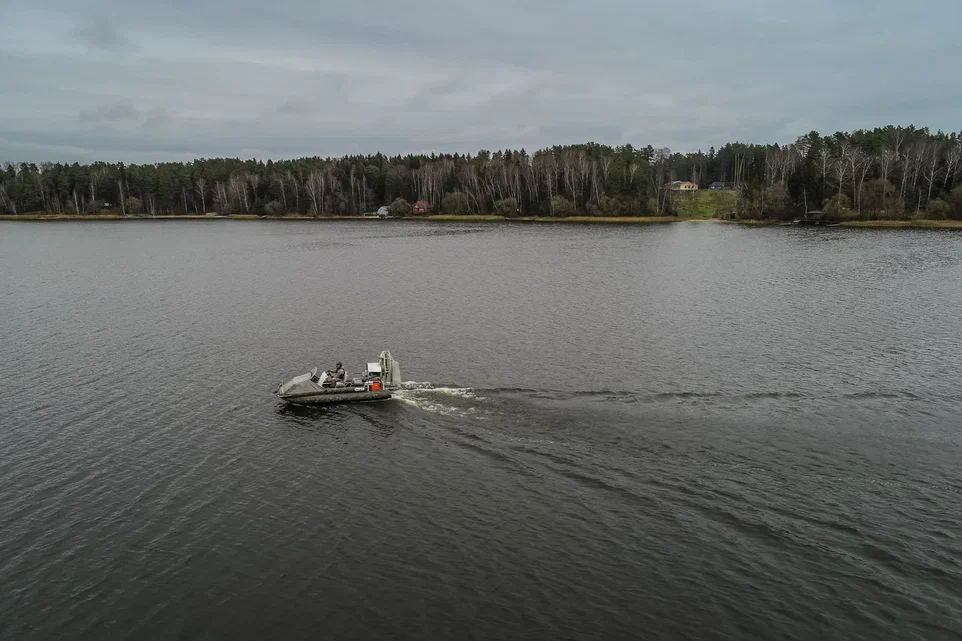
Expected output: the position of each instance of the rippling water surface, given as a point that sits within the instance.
(688, 431)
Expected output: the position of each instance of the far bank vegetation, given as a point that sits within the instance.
(888, 173)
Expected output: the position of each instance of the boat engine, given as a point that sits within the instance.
(390, 370)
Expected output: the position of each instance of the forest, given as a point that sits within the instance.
(886, 173)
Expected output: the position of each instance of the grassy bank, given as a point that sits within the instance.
(863, 224)
(704, 203)
(453, 218)
(607, 219)
(122, 217)
(904, 224)
(435, 218)
(537, 219)
(28, 217)
(857, 224)
(755, 222)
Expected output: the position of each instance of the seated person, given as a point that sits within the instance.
(336, 377)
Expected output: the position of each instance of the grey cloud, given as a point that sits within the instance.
(295, 77)
(297, 106)
(157, 118)
(98, 32)
(430, 94)
(110, 113)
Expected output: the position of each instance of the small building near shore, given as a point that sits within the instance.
(682, 185)
(421, 207)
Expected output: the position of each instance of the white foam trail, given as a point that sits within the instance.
(461, 392)
(417, 385)
(427, 386)
(427, 405)
(425, 396)
(409, 385)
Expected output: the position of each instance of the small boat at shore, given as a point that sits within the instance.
(376, 383)
(816, 218)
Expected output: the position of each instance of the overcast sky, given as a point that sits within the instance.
(174, 79)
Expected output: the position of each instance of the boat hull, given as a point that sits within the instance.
(328, 397)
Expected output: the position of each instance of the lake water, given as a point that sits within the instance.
(688, 431)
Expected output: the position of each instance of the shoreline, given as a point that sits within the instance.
(438, 218)
(102, 217)
(903, 224)
(452, 218)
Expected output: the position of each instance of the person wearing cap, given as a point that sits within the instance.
(339, 373)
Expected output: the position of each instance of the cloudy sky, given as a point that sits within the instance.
(175, 79)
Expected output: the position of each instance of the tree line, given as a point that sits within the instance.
(885, 173)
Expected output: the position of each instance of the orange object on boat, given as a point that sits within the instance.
(376, 386)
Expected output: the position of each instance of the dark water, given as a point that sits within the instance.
(691, 431)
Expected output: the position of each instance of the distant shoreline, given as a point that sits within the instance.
(436, 218)
(443, 218)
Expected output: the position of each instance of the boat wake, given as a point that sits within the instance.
(508, 405)
(444, 400)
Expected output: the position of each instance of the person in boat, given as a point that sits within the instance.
(335, 377)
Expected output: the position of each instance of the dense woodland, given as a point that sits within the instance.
(886, 173)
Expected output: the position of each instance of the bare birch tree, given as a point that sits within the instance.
(315, 191)
(123, 200)
(296, 188)
(953, 160)
(933, 151)
(6, 202)
(202, 192)
(658, 178)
